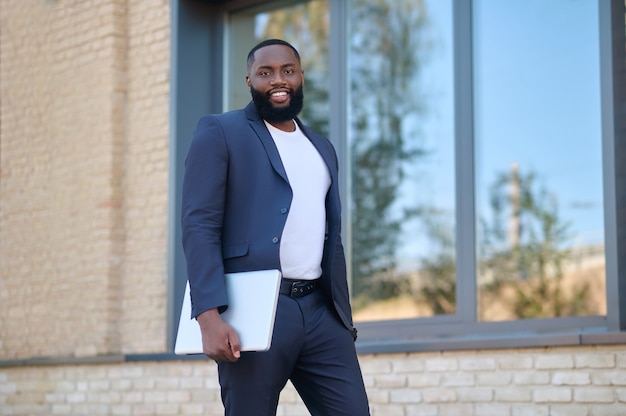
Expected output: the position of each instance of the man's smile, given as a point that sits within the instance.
(279, 97)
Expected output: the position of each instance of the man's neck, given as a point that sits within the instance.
(289, 125)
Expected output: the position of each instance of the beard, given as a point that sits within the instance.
(278, 114)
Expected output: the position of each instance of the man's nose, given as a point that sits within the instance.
(278, 78)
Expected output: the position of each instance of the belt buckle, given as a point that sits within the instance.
(299, 289)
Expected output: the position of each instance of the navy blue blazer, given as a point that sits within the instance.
(235, 202)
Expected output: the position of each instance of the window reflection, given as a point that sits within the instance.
(539, 167)
(306, 26)
(402, 159)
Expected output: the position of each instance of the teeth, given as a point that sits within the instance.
(279, 94)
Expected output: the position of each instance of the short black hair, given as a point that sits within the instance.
(268, 42)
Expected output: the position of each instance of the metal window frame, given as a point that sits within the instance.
(196, 71)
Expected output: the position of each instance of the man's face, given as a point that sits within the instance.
(275, 80)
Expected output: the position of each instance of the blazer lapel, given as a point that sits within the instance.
(322, 146)
(264, 135)
(266, 139)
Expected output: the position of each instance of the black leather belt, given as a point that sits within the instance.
(298, 288)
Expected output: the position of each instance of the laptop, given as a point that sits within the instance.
(252, 298)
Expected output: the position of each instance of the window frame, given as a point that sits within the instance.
(198, 39)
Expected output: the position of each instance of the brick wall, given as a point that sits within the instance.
(146, 173)
(84, 140)
(585, 381)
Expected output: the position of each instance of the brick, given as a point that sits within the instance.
(597, 360)
(8, 388)
(615, 378)
(390, 381)
(166, 383)
(144, 409)
(571, 378)
(554, 361)
(121, 384)
(607, 410)
(530, 410)
(458, 379)
(493, 409)
(369, 381)
(405, 396)
(109, 397)
(621, 395)
(568, 410)
(456, 409)
(178, 396)
(387, 410)
(438, 395)
(61, 409)
(121, 410)
(66, 386)
(191, 383)
(552, 395)
(76, 397)
(193, 409)
(164, 409)
(531, 377)
(375, 367)
(99, 385)
(620, 359)
(154, 397)
(515, 363)
(513, 394)
(132, 397)
(594, 395)
(494, 379)
(477, 364)
(132, 372)
(441, 364)
(418, 410)
(378, 396)
(474, 394)
(407, 365)
(424, 380)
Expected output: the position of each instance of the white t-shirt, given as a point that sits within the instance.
(302, 242)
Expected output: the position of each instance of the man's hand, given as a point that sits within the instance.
(219, 340)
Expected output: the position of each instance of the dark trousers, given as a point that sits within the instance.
(311, 348)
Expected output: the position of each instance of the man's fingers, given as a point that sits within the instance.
(220, 341)
(235, 346)
(228, 349)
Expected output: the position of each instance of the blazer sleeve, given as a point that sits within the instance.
(202, 213)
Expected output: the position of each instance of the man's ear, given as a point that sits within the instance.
(248, 82)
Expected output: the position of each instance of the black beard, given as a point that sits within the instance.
(277, 114)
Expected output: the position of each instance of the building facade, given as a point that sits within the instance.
(98, 100)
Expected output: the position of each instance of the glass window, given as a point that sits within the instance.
(538, 159)
(401, 149)
(498, 178)
(303, 24)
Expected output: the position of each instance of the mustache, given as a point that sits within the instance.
(270, 113)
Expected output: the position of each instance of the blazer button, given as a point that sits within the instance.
(283, 210)
(275, 240)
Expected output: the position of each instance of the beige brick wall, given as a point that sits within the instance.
(581, 381)
(146, 176)
(83, 180)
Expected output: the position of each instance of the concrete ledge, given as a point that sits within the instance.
(59, 361)
(370, 346)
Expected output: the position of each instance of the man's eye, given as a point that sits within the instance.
(288, 71)
(264, 74)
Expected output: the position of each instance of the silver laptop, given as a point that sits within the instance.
(252, 298)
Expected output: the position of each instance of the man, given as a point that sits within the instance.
(261, 192)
